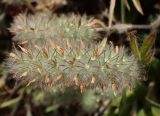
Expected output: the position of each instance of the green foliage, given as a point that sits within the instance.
(10, 103)
(144, 53)
(89, 101)
(156, 111)
(141, 113)
(1, 18)
(134, 45)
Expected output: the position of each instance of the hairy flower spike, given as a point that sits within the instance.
(63, 66)
(43, 26)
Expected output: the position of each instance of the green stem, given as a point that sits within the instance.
(122, 11)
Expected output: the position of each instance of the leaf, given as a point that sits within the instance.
(141, 113)
(137, 5)
(127, 4)
(155, 111)
(148, 57)
(10, 102)
(116, 101)
(147, 45)
(111, 11)
(2, 15)
(51, 108)
(134, 45)
(2, 81)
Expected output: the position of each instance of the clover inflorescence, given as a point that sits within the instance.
(80, 66)
(60, 54)
(43, 26)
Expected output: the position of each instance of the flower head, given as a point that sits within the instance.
(42, 26)
(79, 66)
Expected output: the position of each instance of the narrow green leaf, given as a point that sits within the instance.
(141, 113)
(51, 108)
(137, 5)
(148, 57)
(147, 45)
(155, 111)
(116, 101)
(127, 4)
(134, 45)
(10, 102)
(111, 12)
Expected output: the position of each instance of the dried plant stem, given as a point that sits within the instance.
(125, 27)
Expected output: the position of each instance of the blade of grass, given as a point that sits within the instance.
(111, 12)
(148, 56)
(137, 5)
(127, 4)
(10, 102)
